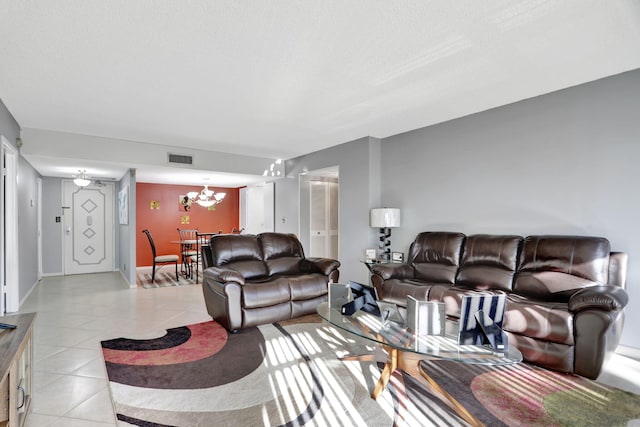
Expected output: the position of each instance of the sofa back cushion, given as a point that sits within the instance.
(435, 256)
(240, 252)
(282, 253)
(554, 267)
(489, 262)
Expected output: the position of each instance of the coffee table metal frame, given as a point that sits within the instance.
(405, 350)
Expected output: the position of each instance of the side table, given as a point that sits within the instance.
(16, 370)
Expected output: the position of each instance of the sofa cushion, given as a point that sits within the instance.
(275, 245)
(238, 252)
(489, 262)
(550, 285)
(548, 321)
(307, 286)
(554, 267)
(265, 315)
(282, 253)
(263, 294)
(435, 256)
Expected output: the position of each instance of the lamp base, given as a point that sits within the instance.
(385, 244)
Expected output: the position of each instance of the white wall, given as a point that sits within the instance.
(52, 230)
(562, 163)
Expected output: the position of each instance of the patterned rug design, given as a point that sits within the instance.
(289, 374)
(526, 395)
(165, 276)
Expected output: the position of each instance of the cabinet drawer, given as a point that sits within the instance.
(4, 399)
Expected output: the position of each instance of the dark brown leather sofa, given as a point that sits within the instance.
(565, 293)
(256, 279)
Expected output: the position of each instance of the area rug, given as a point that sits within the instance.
(290, 374)
(526, 395)
(164, 277)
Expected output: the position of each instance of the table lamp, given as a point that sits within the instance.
(385, 219)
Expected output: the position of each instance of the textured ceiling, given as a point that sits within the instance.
(282, 78)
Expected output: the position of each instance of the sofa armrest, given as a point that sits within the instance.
(223, 275)
(319, 265)
(392, 271)
(606, 297)
(223, 299)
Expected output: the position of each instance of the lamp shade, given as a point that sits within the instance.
(384, 218)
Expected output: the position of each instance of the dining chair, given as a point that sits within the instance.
(188, 249)
(160, 259)
(201, 239)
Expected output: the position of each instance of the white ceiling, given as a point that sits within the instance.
(281, 78)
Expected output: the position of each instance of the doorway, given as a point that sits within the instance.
(88, 228)
(257, 208)
(9, 287)
(319, 212)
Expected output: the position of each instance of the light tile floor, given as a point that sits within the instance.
(76, 312)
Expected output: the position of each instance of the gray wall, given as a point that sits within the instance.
(51, 230)
(356, 198)
(125, 236)
(27, 209)
(563, 163)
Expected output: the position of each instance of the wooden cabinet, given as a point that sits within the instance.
(16, 370)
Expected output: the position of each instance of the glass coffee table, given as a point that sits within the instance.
(405, 349)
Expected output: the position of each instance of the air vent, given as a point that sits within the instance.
(183, 159)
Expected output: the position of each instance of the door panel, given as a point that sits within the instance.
(324, 219)
(88, 228)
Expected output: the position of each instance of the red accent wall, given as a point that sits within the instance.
(165, 221)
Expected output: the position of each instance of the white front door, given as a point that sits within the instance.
(88, 228)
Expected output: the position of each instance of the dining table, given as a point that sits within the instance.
(189, 244)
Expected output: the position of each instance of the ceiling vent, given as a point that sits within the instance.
(182, 159)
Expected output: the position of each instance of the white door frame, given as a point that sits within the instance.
(39, 213)
(68, 227)
(9, 200)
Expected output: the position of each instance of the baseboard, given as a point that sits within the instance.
(27, 295)
(126, 280)
(630, 352)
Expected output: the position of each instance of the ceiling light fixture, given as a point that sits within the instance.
(274, 169)
(206, 197)
(81, 180)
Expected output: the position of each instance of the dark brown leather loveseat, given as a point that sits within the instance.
(565, 293)
(256, 279)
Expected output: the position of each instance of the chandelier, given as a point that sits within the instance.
(82, 180)
(206, 197)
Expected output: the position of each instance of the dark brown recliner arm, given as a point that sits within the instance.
(224, 275)
(392, 271)
(222, 295)
(319, 265)
(598, 319)
(605, 297)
